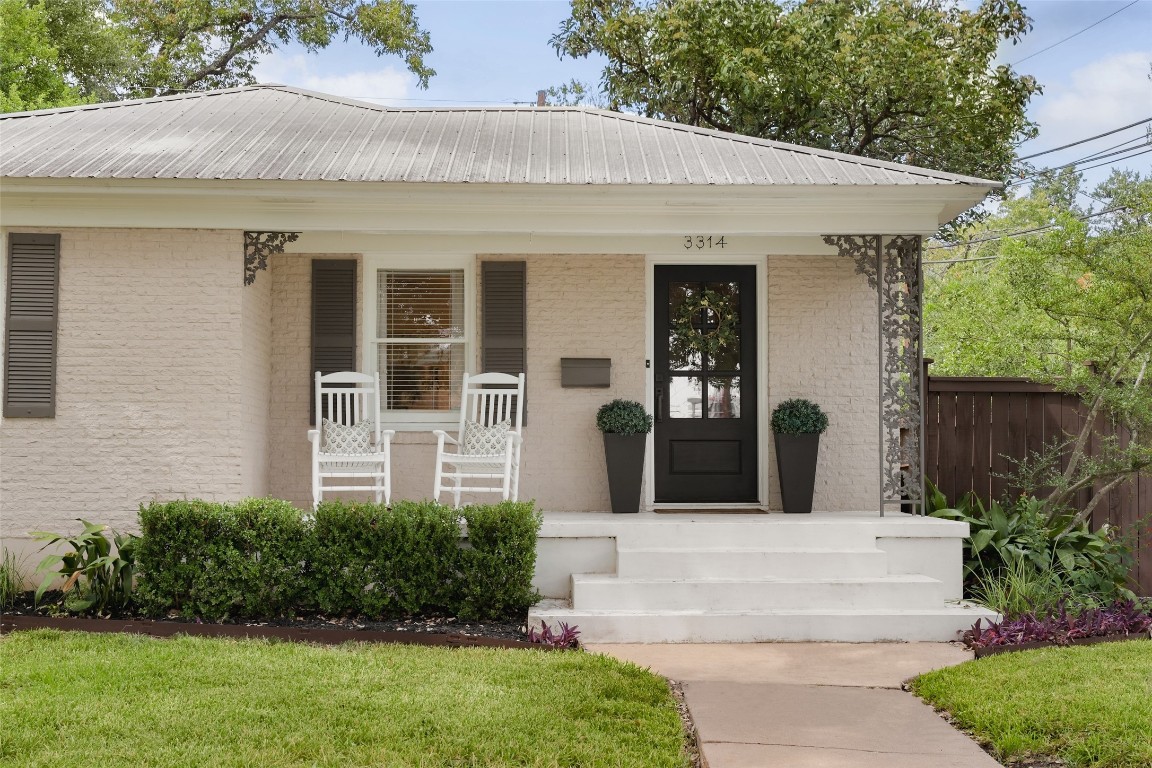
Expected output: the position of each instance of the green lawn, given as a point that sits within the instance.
(121, 700)
(1090, 705)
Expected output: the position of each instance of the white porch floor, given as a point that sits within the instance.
(835, 576)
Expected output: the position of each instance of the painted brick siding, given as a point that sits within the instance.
(822, 345)
(578, 306)
(150, 336)
(256, 362)
(289, 452)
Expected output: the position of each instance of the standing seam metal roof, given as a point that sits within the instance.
(276, 132)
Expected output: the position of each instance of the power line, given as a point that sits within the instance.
(1044, 228)
(1090, 138)
(1113, 162)
(1075, 34)
(1143, 139)
(1097, 156)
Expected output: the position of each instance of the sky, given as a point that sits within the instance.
(490, 52)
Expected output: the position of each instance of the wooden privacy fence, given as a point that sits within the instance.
(976, 427)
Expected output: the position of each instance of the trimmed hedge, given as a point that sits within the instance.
(263, 558)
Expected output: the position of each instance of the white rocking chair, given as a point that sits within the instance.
(349, 442)
(487, 443)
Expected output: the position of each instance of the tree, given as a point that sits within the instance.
(32, 75)
(1068, 292)
(61, 52)
(205, 44)
(909, 81)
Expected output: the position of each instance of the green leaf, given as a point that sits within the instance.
(981, 539)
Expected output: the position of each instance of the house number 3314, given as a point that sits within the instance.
(703, 242)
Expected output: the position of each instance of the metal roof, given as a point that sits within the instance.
(270, 132)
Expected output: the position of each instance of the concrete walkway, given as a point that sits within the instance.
(812, 705)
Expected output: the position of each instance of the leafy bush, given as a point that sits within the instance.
(497, 565)
(96, 578)
(798, 417)
(1090, 566)
(263, 558)
(222, 561)
(623, 417)
(371, 560)
(1121, 617)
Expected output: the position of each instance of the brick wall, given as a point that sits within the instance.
(256, 377)
(822, 345)
(150, 336)
(289, 452)
(578, 306)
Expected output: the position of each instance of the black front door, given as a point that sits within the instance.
(705, 347)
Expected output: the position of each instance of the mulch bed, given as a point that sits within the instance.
(435, 630)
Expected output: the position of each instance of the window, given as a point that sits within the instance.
(421, 340)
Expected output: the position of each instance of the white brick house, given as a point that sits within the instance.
(185, 335)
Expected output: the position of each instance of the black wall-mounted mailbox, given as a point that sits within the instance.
(585, 371)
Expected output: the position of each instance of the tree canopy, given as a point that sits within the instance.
(1060, 293)
(910, 81)
(61, 52)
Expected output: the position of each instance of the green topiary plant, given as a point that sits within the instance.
(798, 417)
(623, 417)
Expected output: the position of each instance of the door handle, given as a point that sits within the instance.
(659, 399)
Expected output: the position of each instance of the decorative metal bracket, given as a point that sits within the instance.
(258, 246)
(893, 266)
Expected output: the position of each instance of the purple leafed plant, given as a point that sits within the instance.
(1123, 617)
(563, 637)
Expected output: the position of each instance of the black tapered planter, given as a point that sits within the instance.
(796, 460)
(624, 455)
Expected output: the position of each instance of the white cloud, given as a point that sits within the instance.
(384, 86)
(1098, 97)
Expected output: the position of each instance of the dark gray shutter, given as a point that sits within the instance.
(333, 321)
(30, 326)
(504, 336)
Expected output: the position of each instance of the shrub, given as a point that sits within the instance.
(497, 565)
(798, 417)
(623, 417)
(1092, 567)
(221, 561)
(263, 559)
(97, 579)
(369, 560)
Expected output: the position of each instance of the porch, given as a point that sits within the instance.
(713, 576)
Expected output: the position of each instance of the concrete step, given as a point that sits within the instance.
(748, 533)
(941, 623)
(607, 592)
(749, 563)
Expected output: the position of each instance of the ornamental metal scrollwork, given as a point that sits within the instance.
(893, 267)
(258, 246)
(863, 249)
(901, 393)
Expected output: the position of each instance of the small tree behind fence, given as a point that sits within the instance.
(976, 427)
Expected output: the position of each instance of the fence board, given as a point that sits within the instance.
(976, 427)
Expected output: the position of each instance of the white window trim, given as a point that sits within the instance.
(416, 421)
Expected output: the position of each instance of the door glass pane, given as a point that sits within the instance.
(722, 326)
(685, 398)
(681, 354)
(724, 397)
